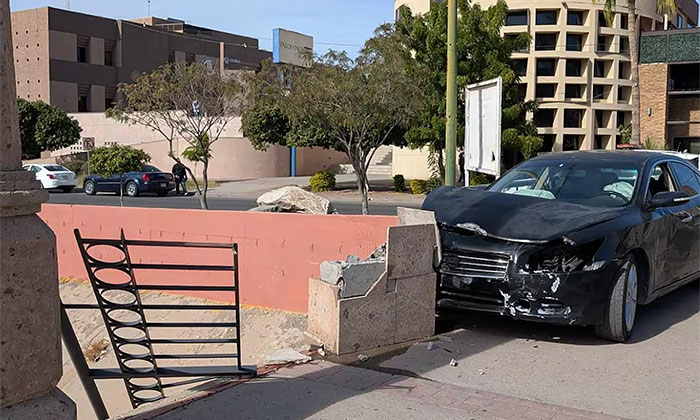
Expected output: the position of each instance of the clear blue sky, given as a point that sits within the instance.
(344, 23)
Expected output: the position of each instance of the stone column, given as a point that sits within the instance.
(30, 340)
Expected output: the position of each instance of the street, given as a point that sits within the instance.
(191, 202)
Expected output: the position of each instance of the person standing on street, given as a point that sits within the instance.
(180, 174)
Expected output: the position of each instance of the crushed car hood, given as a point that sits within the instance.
(513, 217)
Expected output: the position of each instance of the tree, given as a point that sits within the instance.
(117, 160)
(44, 127)
(182, 101)
(353, 106)
(663, 6)
(482, 54)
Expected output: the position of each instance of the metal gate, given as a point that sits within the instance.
(125, 318)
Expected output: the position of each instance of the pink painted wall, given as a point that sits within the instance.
(277, 252)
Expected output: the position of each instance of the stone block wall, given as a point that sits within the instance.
(653, 94)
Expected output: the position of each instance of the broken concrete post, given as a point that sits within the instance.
(353, 279)
(399, 305)
(30, 340)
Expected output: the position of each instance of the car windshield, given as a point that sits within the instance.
(149, 168)
(55, 168)
(598, 184)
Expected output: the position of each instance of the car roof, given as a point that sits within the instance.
(633, 156)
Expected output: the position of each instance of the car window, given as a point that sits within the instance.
(55, 168)
(687, 179)
(660, 180)
(599, 184)
(149, 168)
(35, 168)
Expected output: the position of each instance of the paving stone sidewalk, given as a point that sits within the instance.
(323, 390)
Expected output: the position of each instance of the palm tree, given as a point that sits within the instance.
(662, 6)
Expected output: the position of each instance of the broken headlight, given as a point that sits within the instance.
(566, 258)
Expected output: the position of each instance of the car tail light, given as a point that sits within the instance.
(146, 177)
(50, 176)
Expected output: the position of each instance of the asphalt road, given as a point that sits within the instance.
(191, 202)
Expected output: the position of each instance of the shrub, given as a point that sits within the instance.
(322, 181)
(418, 186)
(399, 183)
(476, 178)
(77, 166)
(433, 182)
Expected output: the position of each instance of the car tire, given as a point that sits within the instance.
(90, 188)
(67, 189)
(131, 189)
(620, 312)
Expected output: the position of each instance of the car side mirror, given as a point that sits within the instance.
(667, 199)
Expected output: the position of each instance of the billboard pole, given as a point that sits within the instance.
(451, 111)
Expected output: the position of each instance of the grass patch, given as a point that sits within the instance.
(212, 184)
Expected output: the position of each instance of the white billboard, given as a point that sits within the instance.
(482, 137)
(290, 47)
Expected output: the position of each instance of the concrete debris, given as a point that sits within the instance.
(352, 259)
(379, 253)
(354, 278)
(453, 363)
(445, 338)
(284, 356)
(362, 357)
(430, 346)
(293, 199)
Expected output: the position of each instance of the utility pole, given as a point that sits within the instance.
(451, 111)
(149, 8)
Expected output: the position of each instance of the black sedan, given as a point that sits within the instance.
(571, 238)
(149, 179)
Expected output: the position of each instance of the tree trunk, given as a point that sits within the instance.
(633, 25)
(441, 165)
(205, 187)
(361, 176)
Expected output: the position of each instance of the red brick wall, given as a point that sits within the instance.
(653, 91)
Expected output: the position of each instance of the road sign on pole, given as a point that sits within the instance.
(88, 143)
(482, 137)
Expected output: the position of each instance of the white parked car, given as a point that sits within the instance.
(53, 176)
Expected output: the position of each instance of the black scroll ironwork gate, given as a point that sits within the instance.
(124, 316)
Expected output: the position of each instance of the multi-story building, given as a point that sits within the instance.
(669, 85)
(75, 61)
(577, 66)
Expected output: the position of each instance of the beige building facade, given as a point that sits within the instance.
(75, 61)
(577, 66)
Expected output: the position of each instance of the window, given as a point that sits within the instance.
(624, 45)
(546, 17)
(573, 118)
(513, 38)
(599, 142)
(545, 90)
(108, 58)
(623, 21)
(544, 117)
(516, 18)
(546, 66)
(602, 118)
(545, 42)
(548, 142)
(571, 142)
(574, 17)
(522, 91)
(601, 20)
(599, 68)
(82, 104)
(687, 180)
(603, 43)
(520, 66)
(574, 42)
(572, 91)
(660, 181)
(679, 22)
(82, 54)
(573, 68)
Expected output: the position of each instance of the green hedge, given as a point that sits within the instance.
(684, 47)
(322, 181)
(653, 49)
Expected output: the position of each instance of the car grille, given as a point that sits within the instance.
(474, 264)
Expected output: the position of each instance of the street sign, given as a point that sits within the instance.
(88, 143)
(482, 139)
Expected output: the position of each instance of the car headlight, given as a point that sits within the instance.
(566, 258)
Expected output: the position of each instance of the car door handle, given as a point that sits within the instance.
(685, 217)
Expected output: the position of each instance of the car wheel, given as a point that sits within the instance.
(132, 190)
(89, 188)
(67, 189)
(622, 305)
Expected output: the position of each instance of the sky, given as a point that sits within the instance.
(337, 24)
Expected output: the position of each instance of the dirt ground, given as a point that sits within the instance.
(263, 331)
(656, 375)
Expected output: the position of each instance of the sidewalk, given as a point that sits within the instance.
(381, 189)
(323, 390)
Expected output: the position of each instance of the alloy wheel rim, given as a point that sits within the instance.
(88, 187)
(631, 297)
(131, 189)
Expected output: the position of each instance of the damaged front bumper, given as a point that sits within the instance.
(487, 275)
